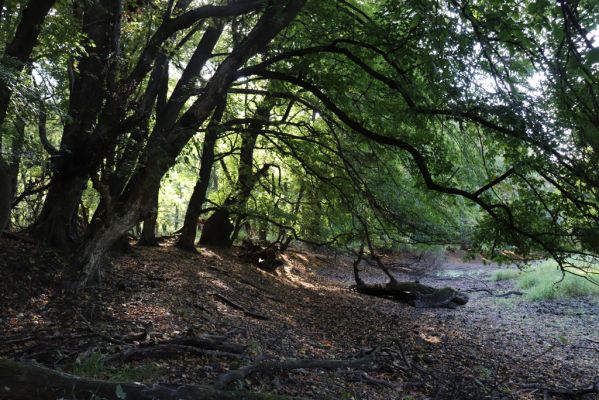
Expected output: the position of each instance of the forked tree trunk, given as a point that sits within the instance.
(78, 157)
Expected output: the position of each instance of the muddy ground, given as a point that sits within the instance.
(493, 347)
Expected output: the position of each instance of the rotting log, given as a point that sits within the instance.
(415, 294)
(23, 381)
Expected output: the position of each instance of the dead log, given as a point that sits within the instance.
(22, 381)
(415, 294)
(275, 366)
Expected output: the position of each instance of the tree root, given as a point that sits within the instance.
(195, 345)
(21, 381)
(273, 366)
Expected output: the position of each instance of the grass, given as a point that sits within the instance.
(93, 366)
(544, 282)
(506, 274)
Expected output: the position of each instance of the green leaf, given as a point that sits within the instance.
(593, 56)
(120, 393)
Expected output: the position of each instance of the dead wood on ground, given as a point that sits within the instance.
(22, 381)
(413, 293)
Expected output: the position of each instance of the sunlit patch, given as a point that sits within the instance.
(219, 284)
(210, 253)
(430, 338)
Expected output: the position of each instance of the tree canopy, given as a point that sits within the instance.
(347, 123)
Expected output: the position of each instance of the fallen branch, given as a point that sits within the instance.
(21, 381)
(274, 366)
(240, 307)
(490, 292)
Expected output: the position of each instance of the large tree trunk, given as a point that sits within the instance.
(217, 229)
(78, 157)
(57, 222)
(194, 208)
(148, 233)
(21, 381)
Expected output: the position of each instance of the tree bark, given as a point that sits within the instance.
(148, 233)
(416, 294)
(198, 197)
(73, 164)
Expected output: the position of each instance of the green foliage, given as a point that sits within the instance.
(506, 274)
(545, 281)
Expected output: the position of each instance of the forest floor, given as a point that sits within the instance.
(493, 347)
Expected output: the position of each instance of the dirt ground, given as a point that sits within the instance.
(493, 347)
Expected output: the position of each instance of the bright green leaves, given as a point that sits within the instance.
(593, 56)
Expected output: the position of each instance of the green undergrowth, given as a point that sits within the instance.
(93, 366)
(545, 281)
